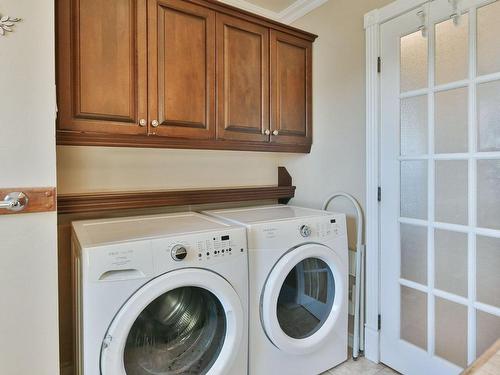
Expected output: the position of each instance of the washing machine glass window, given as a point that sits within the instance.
(302, 299)
(180, 332)
(306, 298)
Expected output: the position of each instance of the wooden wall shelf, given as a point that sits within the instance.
(105, 201)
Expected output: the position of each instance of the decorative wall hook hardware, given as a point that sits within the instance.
(457, 12)
(7, 23)
(423, 28)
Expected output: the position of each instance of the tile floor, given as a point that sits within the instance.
(361, 366)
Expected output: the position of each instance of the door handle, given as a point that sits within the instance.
(15, 201)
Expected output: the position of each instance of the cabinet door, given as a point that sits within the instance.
(291, 89)
(181, 69)
(242, 80)
(102, 67)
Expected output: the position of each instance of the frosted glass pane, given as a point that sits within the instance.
(488, 270)
(414, 125)
(414, 253)
(414, 317)
(451, 331)
(488, 42)
(451, 121)
(413, 62)
(414, 189)
(488, 331)
(488, 108)
(450, 250)
(452, 44)
(488, 193)
(451, 191)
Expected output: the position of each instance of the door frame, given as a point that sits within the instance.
(372, 22)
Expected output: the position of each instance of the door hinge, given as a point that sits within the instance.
(379, 64)
(379, 322)
(379, 194)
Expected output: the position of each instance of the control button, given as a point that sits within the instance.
(305, 231)
(179, 252)
(222, 251)
(208, 254)
(199, 255)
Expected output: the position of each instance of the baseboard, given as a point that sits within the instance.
(372, 344)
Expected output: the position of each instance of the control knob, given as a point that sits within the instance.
(179, 252)
(305, 230)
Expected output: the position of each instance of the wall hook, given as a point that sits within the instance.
(423, 28)
(455, 16)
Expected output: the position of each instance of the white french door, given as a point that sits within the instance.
(440, 179)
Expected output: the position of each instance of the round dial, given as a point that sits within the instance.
(305, 230)
(179, 252)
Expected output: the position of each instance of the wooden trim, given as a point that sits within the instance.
(89, 202)
(284, 179)
(489, 360)
(105, 201)
(39, 199)
(72, 138)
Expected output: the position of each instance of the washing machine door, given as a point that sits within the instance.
(187, 321)
(302, 298)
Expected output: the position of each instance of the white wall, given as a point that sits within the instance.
(28, 250)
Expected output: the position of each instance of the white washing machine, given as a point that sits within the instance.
(162, 294)
(298, 268)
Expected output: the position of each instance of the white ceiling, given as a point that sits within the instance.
(273, 5)
(285, 11)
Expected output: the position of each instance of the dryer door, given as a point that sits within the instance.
(184, 322)
(303, 298)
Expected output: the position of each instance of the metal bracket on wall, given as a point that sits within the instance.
(25, 200)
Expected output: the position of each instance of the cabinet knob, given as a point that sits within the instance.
(275, 132)
(267, 132)
(155, 123)
(142, 122)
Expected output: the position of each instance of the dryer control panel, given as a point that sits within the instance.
(321, 228)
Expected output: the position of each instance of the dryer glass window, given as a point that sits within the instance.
(180, 332)
(306, 298)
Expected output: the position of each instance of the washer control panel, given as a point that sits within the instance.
(207, 247)
(218, 247)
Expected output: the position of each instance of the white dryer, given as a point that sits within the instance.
(162, 294)
(298, 268)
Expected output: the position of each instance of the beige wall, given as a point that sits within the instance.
(83, 169)
(337, 159)
(28, 251)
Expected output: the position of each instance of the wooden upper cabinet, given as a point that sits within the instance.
(102, 71)
(291, 89)
(242, 80)
(181, 74)
(181, 45)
